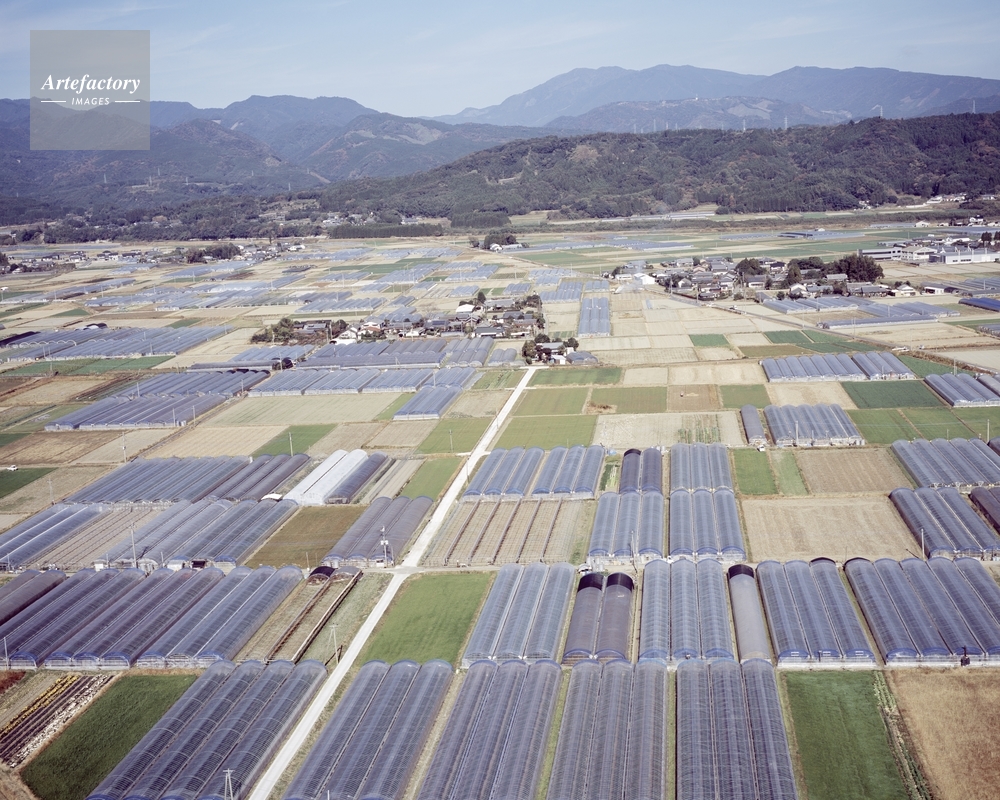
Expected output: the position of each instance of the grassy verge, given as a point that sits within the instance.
(303, 437)
(71, 766)
(577, 377)
(737, 396)
(842, 741)
(753, 473)
(890, 394)
(786, 471)
(432, 477)
(429, 618)
(548, 432)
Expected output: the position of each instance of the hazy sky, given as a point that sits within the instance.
(419, 58)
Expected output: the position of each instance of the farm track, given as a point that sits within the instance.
(25, 733)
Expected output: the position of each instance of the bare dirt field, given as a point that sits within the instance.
(626, 301)
(622, 431)
(349, 436)
(56, 391)
(692, 397)
(795, 394)
(55, 448)
(953, 719)
(646, 376)
(9, 520)
(479, 404)
(716, 354)
(934, 335)
(669, 341)
(135, 443)
(629, 327)
(838, 528)
(722, 373)
(402, 434)
(618, 343)
(646, 356)
(309, 410)
(851, 471)
(988, 357)
(204, 440)
(36, 496)
(749, 339)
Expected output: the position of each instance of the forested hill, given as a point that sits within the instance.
(607, 175)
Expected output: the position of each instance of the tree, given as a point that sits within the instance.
(793, 276)
(572, 342)
(481, 298)
(863, 269)
(749, 266)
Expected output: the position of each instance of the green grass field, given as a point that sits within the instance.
(842, 741)
(787, 337)
(566, 376)
(71, 766)
(632, 400)
(547, 402)
(882, 425)
(737, 396)
(709, 340)
(88, 366)
(890, 394)
(786, 471)
(932, 423)
(307, 536)
(772, 350)
(429, 618)
(10, 482)
(548, 432)
(431, 477)
(921, 367)
(499, 379)
(984, 422)
(462, 434)
(303, 437)
(10, 438)
(753, 472)
(394, 406)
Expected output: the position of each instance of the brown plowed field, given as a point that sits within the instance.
(796, 394)
(218, 441)
(135, 443)
(350, 436)
(953, 719)
(402, 434)
(56, 391)
(55, 448)
(622, 431)
(834, 527)
(692, 397)
(850, 471)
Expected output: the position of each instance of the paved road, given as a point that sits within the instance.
(310, 717)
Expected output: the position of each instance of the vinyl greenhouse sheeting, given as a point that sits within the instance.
(949, 462)
(818, 425)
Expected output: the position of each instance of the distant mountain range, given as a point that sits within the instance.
(263, 145)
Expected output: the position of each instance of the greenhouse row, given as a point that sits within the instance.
(213, 532)
(399, 380)
(110, 619)
(370, 745)
(158, 480)
(381, 533)
(808, 305)
(752, 426)
(705, 524)
(468, 352)
(810, 615)
(642, 471)
(225, 729)
(601, 624)
(315, 381)
(949, 462)
(103, 342)
(121, 413)
(495, 738)
(339, 478)
(503, 356)
(430, 402)
(567, 292)
(523, 614)
(752, 641)
(944, 524)
(26, 542)
(730, 732)
(613, 736)
(509, 473)
(225, 382)
(348, 305)
(598, 285)
(274, 352)
(595, 317)
(481, 273)
(699, 466)
(964, 391)
(992, 329)
(987, 501)
(685, 612)
(873, 366)
(381, 353)
(820, 425)
(935, 611)
(627, 526)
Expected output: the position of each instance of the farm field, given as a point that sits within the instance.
(843, 748)
(307, 536)
(882, 425)
(548, 432)
(478, 404)
(454, 436)
(54, 486)
(55, 448)
(692, 397)
(135, 442)
(310, 410)
(890, 394)
(796, 394)
(851, 471)
(548, 402)
(645, 376)
(389, 411)
(598, 376)
(953, 719)
(717, 373)
(498, 379)
(735, 396)
(56, 391)
(210, 440)
(71, 766)
(622, 431)
(429, 618)
(631, 400)
(753, 472)
(709, 340)
(302, 438)
(432, 477)
(786, 472)
(789, 528)
(402, 435)
(346, 436)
